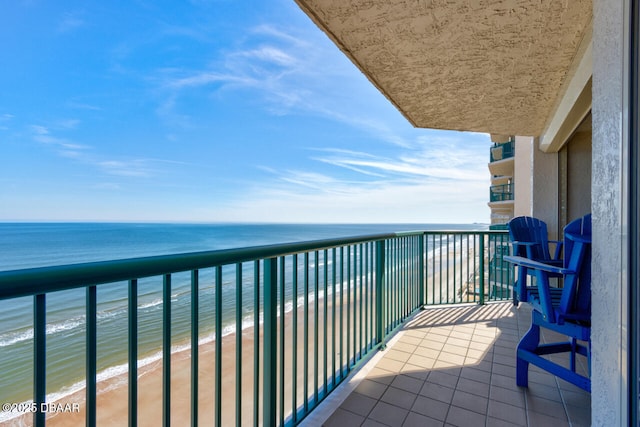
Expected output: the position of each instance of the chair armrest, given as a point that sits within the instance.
(518, 242)
(529, 263)
(581, 239)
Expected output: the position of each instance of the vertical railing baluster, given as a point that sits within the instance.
(404, 252)
(305, 330)
(294, 343)
(218, 332)
(371, 292)
(256, 343)
(380, 257)
(325, 323)
(166, 350)
(270, 341)
(333, 317)
(39, 357)
(362, 297)
(239, 313)
(316, 295)
(481, 272)
(195, 300)
(441, 271)
(342, 313)
(348, 309)
(282, 337)
(355, 304)
(433, 273)
(421, 270)
(367, 296)
(133, 353)
(91, 355)
(468, 251)
(390, 287)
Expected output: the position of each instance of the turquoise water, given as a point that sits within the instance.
(27, 245)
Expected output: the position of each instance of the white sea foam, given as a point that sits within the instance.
(15, 337)
(151, 304)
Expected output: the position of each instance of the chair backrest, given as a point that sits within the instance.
(576, 296)
(532, 230)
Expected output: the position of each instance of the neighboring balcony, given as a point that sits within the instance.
(501, 193)
(502, 151)
(502, 159)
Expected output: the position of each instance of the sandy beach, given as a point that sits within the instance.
(112, 399)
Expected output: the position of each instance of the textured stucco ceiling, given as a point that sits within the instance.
(487, 65)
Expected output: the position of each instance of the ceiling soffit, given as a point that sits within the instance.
(487, 66)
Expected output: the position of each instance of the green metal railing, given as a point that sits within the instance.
(501, 193)
(319, 310)
(502, 151)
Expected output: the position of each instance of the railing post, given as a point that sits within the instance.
(481, 272)
(270, 341)
(195, 335)
(421, 266)
(91, 356)
(380, 256)
(39, 357)
(166, 351)
(133, 353)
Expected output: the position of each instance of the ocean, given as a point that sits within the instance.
(29, 245)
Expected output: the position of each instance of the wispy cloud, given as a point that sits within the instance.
(425, 158)
(86, 154)
(130, 168)
(66, 147)
(70, 22)
(426, 201)
(290, 74)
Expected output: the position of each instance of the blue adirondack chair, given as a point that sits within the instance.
(529, 238)
(569, 316)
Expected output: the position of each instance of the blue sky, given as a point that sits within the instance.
(211, 111)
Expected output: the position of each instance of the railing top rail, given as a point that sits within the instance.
(465, 232)
(25, 282)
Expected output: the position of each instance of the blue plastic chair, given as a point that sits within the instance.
(529, 238)
(570, 315)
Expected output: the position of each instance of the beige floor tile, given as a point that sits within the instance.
(388, 414)
(469, 401)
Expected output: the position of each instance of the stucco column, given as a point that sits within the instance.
(609, 398)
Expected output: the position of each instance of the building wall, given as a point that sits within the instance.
(523, 176)
(545, 190)
(609, 275)
(579, 175)
(536, 183)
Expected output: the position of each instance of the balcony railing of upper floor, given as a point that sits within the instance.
(502, 151)
(318, 310)
(501, 193)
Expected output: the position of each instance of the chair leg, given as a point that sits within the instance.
(528, 343)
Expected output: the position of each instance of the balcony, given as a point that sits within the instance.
(501, 193)
(502, 159)
(319, 311)
(502, 151)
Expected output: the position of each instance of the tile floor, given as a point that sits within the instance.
(455, 366)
